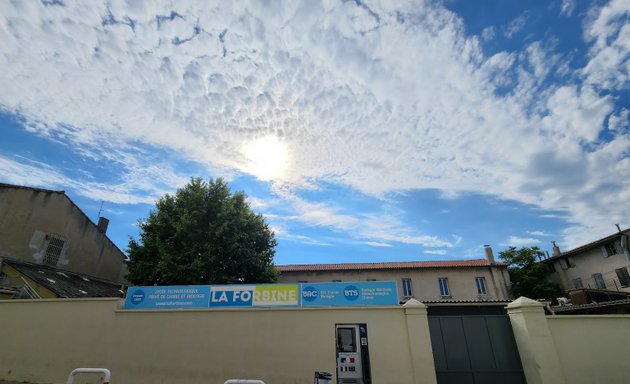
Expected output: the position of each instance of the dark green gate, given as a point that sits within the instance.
(475, 349)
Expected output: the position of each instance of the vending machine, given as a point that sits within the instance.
(353, 357)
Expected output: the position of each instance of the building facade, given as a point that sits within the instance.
(45, 227)
(602, 264)
(427, 281)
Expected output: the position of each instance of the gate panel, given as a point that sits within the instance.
(475, 350)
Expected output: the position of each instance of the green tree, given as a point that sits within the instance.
(528, 275)
(203, 234)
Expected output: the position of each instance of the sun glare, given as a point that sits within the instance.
(266, 158)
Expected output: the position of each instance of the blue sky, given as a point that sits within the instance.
(363, 131)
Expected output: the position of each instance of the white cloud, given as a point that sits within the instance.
(381, 104)
(537, 233)
(515, 241)
(567, 7)
(515, 25)
(377, 244)
(609, 32)
(435, 251)
(620, 122)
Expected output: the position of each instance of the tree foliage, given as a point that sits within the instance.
(528, 276)
(203, 234)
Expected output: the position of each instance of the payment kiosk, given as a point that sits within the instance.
(353, 358)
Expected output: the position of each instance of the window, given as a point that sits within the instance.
(443, 281)
(609, 249)
(564, 264)
(623, 276)
(407, 289)
(552, 267)
(53, 250)
(577, 283)
(571, 262)
(599, 281)
(481, 285)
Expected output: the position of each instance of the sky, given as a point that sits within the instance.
(363, 131)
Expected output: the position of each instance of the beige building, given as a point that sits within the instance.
(45, 227)
(459, 280)
(601, 264)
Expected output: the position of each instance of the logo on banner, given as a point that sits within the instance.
(309, 293)
(137, 296)
(351, 293)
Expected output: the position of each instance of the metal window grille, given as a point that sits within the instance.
(599, 281)
(577, 283)
(623, 276)
(53, 250)
(481, 285)
(444, 287)
(407, 289)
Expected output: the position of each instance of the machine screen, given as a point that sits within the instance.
(346, 340)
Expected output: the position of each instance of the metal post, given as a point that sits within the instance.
(104, 371)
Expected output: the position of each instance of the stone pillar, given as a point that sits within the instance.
(539, 357)
(420, 349)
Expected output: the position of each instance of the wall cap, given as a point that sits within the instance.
(413, 303)
(523, 302)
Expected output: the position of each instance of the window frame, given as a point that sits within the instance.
(597, 277)
(624, 277)
(482, 280)
(579, 281)
(443, 285)
(407, 287)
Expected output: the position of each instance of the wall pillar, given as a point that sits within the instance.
(420, 349)
(539, 357)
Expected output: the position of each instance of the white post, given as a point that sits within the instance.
(106, 374)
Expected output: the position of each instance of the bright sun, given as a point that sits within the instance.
(266, 158)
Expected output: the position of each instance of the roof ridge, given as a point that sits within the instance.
(15, 186)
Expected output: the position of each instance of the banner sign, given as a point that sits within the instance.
(372, 293)
(363, 293)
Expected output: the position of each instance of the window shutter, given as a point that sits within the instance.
(604, 252)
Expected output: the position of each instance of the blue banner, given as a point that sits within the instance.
(349, 294)
(371, 293)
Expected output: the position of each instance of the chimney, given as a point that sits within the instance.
(489, 254)
(556, 249)
(102, 224)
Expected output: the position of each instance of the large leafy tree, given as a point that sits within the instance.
(203, 234)
(528, 275)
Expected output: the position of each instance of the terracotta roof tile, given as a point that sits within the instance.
(388, 265)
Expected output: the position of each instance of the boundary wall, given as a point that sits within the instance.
(44, 340)
(41, 341)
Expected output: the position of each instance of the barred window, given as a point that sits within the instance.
(53, 250)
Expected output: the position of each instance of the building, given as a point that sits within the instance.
(22, 280)
(602, 264)
(45, 227)
(427, 281)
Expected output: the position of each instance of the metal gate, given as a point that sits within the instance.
(475, 349)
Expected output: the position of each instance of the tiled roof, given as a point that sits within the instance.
(389, 265)
(67, 284)
(592, 244)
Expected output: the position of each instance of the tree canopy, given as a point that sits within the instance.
(203, 234)
(528, 275)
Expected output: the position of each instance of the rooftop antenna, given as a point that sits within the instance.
(101, 208)
(618, 228)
